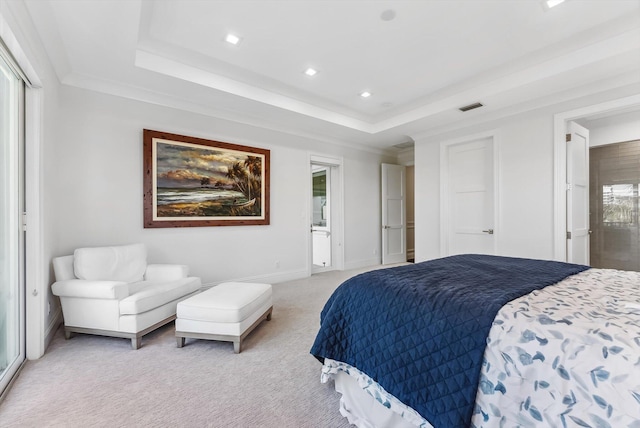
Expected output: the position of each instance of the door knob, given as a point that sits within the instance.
(489, 231)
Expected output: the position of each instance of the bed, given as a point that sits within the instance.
(485, 341)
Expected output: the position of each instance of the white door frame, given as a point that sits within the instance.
(444, 186)
(560, 121)
(337, 211)
(38, 333)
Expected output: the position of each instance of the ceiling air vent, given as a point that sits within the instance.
(470, 107)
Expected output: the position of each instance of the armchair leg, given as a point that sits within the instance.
(67, 334)
(136, 342)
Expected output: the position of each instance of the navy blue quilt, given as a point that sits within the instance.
(420, 330)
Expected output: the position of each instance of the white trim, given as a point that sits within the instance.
(193, 74)
(26, 70)
(36, 296)
(444, 173)
(411, 252)
(560, 165)
(338, 204)
(151, 97)
(365, 263)
(37, 290)
(272, 278)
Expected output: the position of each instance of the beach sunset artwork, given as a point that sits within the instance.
(204, 183)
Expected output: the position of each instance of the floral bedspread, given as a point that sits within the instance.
(565, 356)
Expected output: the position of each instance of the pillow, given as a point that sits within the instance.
(125, 263)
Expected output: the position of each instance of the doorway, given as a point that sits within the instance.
(561, 121)
(326, 215)
(614, 202)
(393, 215)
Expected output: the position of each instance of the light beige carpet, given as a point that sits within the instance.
(92, 381)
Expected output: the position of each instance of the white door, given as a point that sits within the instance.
(394, 231)
(577, 194)
(469, 200)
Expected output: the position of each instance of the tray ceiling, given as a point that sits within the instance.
(420, 60)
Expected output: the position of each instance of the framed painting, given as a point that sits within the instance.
(190, 182)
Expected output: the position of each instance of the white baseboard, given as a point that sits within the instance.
(272, 278)
(56, 320)
(359, 264)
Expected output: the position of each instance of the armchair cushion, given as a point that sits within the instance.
(91, 289)
(125, 263)
(154, 294)
(166, 272)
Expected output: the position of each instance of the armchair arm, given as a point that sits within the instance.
(166, 272)
(63, 268)
(91, 289)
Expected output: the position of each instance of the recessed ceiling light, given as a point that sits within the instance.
(365, 94)
(232, 38)
(311, 72)
(552, 3)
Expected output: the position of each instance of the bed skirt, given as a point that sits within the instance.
(366, 404)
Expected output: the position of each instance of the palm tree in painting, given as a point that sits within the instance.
(240, 177)
(254, 165)
(247, 177)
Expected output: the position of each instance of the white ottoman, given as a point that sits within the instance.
(228, 312)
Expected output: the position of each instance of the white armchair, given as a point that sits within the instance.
(112, 291)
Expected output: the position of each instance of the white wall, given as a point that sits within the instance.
(613, 129)
(526, 175)
(98, 186)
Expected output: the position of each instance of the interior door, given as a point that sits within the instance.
(394, 230)
(469, 213)
(577, 194)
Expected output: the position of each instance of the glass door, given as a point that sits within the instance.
(12, 336)
(615, 206)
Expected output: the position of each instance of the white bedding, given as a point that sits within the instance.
(564, 356)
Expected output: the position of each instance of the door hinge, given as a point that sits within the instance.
(569, 186)
(568, 235)
(24, 221)
(568, 137)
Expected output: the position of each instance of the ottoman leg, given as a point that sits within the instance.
(180, 341)
(237, 344)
